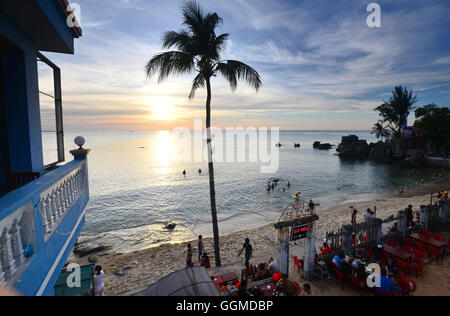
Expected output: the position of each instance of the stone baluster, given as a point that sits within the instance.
(48, 221)
(59, 202)
(6, 259)
(66, 194)
(53, 207)
(16, 244)
(71, 191)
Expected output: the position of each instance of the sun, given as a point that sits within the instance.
(161, 109)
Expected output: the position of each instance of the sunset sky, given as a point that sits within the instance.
(322, 67)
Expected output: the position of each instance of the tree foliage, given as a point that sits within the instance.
(396, 110)
(434, 120)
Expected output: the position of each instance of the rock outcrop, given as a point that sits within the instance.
(319, 145)
(353, 147)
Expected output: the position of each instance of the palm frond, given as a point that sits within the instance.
(180, 40)
(170, 63)
(199, 82)
(234, 70)
(193, 15)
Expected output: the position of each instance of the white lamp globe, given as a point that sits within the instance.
(79, 141)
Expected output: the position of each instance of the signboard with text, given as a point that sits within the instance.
(299, 232)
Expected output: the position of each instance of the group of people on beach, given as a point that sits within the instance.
(203, 258)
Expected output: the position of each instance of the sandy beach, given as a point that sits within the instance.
(145, 267)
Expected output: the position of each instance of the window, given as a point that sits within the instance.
(51, 111)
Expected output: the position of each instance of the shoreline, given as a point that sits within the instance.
(144, 267)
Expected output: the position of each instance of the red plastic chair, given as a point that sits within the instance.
(417, 265)
(419, 245)
(408, 249)
(408, 241)
(358, 284)
(433, 252)
(392, 243)
(340, 277)
(408, 286)
(298, 264)
(404, 266)
(438, 237)
(277, 276)
(419, 254)
(299, 289)
(426, 233)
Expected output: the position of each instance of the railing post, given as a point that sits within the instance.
(444, 212)
(347, 231)
(310, 251)
(283, 249)
(377, 230)
(402, 223)
(425, 215)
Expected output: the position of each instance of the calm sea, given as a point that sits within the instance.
(136, 189)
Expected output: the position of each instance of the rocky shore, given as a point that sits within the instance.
(411, 151)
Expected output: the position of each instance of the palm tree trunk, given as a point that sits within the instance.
(212, 189)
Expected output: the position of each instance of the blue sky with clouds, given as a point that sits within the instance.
(322, 66)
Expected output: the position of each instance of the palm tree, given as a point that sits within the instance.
(379, 130)
(199, 50)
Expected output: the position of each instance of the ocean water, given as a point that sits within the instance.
(136, 188)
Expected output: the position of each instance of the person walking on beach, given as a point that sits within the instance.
(99, 286)
(189, 263)
(355, 212)
(200, 247)
(248, 252)
(368, 216)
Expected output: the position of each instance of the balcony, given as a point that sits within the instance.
(39, 224)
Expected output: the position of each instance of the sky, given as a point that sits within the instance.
(322, 67)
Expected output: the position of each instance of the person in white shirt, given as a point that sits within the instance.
(99, 287)
(273, 266)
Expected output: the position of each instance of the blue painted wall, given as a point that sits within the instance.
(21, 97)
(4, 152)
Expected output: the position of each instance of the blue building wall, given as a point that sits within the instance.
(21, 99)
(4, 152)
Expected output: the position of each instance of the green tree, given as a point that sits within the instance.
(379, 130)
(199, 50)
(396, 110)
(434, 120)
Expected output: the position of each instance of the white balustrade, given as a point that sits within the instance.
(11, 248)
(59, 198)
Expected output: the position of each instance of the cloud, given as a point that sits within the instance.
(316, 59)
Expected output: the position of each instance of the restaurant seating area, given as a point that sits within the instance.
(399, 260)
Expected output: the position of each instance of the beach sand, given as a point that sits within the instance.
(145, 267)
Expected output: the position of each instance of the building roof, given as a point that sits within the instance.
(65, 5)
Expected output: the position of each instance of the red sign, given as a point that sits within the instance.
(300, 232)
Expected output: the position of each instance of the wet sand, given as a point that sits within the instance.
(145, 267)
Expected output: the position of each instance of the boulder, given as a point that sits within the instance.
(346, 141)
(316, 145)
(380, 152)
(325, 146)
(83, 250)
(356, 149)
